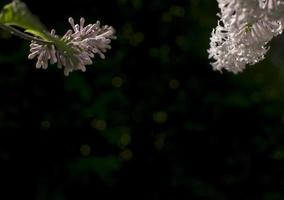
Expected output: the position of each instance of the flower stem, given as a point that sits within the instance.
(22, 35)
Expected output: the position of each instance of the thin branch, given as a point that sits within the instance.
(23, 35)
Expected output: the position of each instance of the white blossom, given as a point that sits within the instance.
(84, 41)
(243, 32)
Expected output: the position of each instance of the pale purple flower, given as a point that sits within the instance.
(43, 52)
(84, 41)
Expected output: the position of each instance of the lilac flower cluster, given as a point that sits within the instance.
(243, 32)
(83, 42)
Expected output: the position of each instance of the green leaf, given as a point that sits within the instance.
(64, 48)
(18, 14)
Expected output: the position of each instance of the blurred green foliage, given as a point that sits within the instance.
(152, 121)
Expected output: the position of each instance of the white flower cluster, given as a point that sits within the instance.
(83, 41)
(243, 32)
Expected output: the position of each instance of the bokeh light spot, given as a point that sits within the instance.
(160, 142)
(45, 124)
(117, 82)
(137, 39)
(125, 139)
(278, 155)
(160, 117)
(99, 124)
(177, 11)
(174, 84)
(85, 150)
(126, 154)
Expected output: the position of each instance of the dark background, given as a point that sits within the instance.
(152, 121)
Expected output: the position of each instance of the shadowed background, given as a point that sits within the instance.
(152, 121)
